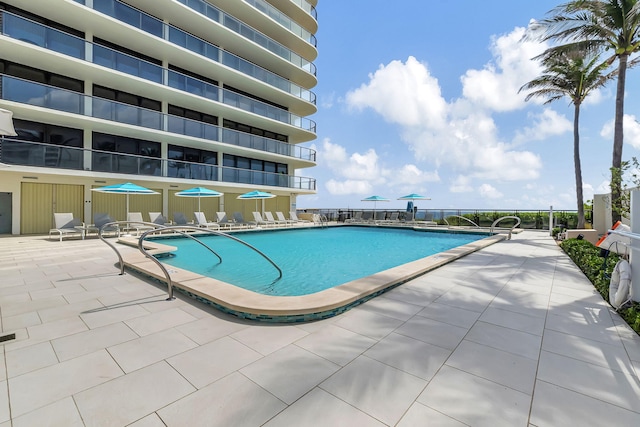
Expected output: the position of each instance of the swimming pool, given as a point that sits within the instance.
(311, 260)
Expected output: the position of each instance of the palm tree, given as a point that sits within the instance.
(611, 26)
(574, 75)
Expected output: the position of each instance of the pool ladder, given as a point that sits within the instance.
(179, 230)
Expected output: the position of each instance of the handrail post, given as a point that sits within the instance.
(635, 246)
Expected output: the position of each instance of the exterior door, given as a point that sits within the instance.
(5, 213)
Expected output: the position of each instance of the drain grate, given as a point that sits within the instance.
(8, 337)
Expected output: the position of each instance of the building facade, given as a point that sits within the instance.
(167, 94)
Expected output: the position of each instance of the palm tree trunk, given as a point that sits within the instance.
(576, 162)
(618, 139)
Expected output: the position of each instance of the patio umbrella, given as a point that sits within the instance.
(6, 123)
(256, 195)
(199, 192)
(412, 197)
(375, 200)
(126, 188)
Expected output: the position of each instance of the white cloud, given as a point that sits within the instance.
(630, 129)
(496, 86)
(489, 191)
(412, 176)
(460, 134)
(545, 124)
(357, 173)
(342, 188)
(403, 93)
(462, 184)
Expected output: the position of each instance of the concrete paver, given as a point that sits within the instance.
(512, 335)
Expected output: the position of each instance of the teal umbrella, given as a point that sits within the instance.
(126, 188)
(199, 192)
(411, 197)
(375, 200)
(256, 195)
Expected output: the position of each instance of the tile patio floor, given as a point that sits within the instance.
(512, 335)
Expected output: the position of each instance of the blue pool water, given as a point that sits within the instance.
(311, 260)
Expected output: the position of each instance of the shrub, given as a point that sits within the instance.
(587, 257)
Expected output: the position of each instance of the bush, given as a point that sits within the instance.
(587, 257)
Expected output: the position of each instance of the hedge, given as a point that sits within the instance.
(587, 257)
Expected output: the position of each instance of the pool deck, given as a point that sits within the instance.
(510, 335)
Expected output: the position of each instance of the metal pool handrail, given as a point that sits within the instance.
(461, 217)
(177, 229)
(506, 217)
(153, 224)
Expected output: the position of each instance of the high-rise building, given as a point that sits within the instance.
(167, 94)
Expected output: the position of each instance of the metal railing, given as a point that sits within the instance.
(156, 27)
(23, 29)
(531, 219)
(26, 153)
(40, 95)
(178, 229)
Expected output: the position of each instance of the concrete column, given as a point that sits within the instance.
(550, 220)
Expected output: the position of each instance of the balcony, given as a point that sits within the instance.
(45, 96)
(25, 30)
(283, 20)
(16, 152)
(155, 27)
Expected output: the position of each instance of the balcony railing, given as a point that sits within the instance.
(239, 27)
(32, 32)
(304, 5)
(154, 26)
(283, 20)
(45, 96)
(26, 153)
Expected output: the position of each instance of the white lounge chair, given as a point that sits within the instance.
(201, 220)
(67, 225)
(260, 221)
(99, 221)
(158, 218)
(225, 222)
(294, 217)
(239, 220)
(269, 218)
(137, 223)
(180, 219)
(281, 218)
(357, 217)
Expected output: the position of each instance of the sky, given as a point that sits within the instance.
(421, 96)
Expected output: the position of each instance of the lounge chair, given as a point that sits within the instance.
(67, 225)
(294, 217)
(393, 218)
(201, 220)
(239, 220)
(137, 223)
(225, 222)
(99, 221)
(281, 218)
(158, 218)
(260, 221)
(357, 217)
(269, 218)
(180, 219)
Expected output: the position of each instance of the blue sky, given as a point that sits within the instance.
(420, 96)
